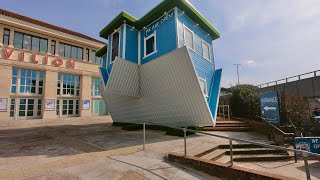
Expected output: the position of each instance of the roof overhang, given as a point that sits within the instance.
(122, 18)
(102, 51)
(157, 12)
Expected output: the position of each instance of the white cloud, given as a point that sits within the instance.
(250, 63)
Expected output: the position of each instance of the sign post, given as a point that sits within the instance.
(269, 106)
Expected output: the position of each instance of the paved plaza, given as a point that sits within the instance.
(90, 148)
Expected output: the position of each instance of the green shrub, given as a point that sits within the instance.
(245, 101)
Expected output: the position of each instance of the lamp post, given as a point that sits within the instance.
(238, 72)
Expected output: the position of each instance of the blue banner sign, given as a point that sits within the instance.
(311, 144)
(270, 107)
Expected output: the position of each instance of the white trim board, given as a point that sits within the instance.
(124, 41)
(111, 41)
(203, 42)
(154, 34)
(184, 37)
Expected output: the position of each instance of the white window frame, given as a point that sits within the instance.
(209, 50)
(185, 28)
(93, 91)
(205, 84)
(74, 89)
(154, 34)
(118, 30)
(18, 83)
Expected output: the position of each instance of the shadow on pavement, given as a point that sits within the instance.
(63, 140)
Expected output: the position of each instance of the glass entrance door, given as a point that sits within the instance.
(99, 108)
(70, 108)
(29, 108)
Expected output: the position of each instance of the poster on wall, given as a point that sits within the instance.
(86, 104)
(3, 104)
(50, 104)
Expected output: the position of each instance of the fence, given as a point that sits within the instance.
(305, 154)
(224, 110)
(304, 85)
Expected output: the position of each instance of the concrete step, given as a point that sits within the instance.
(230, 122)
(232, 125)
(234, 129)
(236, 146)
(201, 150)
(224, 159)
(214, 155)
(261, 157)
(256, 151)
(203, 153)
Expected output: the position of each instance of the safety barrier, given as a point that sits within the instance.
(305, 154)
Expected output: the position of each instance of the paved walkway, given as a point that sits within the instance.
(90, 148)
(82, 148)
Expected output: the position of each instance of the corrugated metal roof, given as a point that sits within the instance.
(44, 24)
(169, 92)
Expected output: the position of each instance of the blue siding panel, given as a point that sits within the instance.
(121, 41)
(104, 75)
(214, 92)
(204, 68)
(165, 36)
(131, 44)
(104, 61)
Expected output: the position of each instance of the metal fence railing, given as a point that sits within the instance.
(286, 80)
(305, 154)
(224, 111)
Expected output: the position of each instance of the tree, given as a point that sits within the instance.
(294, 110)
(245, 101)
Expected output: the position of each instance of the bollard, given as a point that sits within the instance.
(144, 136)
(231, 152)
(229, 112)
(223, 113)
(185, 141)
(306, 165)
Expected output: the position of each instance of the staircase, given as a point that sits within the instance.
(242, 153)
(233, 126)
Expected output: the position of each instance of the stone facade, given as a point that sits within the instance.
(51, 65)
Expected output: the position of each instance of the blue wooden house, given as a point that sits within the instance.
(160, 68)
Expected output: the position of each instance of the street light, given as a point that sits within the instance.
(238, 72)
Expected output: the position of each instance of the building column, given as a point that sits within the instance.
(1, 35)
(50, 92)
(85, 94)
(84, 54)
(49, 46)
(90, 52)
(5, 86)
(11, 38)
(57, 49)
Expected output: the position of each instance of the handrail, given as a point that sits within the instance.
(278, 129)
(286, 79)
(238, 139)
(305, 154)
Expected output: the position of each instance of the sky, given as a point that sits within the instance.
(270, 39)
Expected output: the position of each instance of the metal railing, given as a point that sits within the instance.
(305, 154)
(223, 113)
(288, 78)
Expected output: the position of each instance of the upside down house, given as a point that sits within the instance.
(160, 68)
